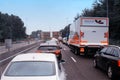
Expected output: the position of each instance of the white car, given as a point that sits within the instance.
(34, 67)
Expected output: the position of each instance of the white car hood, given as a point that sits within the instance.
(30, 78)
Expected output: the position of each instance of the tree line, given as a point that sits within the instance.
(65, 32)
(104, 8)
(11, 27)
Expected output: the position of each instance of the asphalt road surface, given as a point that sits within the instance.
(78, 67)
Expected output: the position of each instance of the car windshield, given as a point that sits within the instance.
(31, 68)
(47, 48)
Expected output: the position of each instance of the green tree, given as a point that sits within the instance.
(11, 26)
(100, 10)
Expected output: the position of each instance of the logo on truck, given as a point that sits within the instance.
(99, 21)
(94, 22)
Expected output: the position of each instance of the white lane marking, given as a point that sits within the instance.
(73, 59)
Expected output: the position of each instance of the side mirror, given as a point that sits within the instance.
(62, 61)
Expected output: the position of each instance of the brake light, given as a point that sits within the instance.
(57, 51)
(118, 63)
(82, 50)
(38, 51)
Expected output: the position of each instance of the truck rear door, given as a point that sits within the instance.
(94, 35)
(94, 31)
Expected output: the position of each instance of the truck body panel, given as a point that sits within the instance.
(94, 36)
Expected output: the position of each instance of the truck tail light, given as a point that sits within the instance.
(57, 52)
(82, 50)
(118, 63)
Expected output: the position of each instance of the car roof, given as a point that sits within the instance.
(48, 44)
(35, 57)
(114, 46)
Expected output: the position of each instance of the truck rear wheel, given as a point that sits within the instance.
(59, 57)
(76, 52)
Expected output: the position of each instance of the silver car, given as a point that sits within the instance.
(34, 67)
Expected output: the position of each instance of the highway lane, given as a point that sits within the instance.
(77, 67)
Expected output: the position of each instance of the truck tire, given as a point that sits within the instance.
(60, 57)
(76, 52)
(86, 51)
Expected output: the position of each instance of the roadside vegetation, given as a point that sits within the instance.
(100, 9)
(11, 27)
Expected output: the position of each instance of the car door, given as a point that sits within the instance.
(115, 57)
(99, 56)
(106, 58)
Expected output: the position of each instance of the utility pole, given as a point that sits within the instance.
(107, 8)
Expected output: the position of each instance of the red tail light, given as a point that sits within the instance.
(118, 63)
(57, 52)
(38, 51)
(82, 50)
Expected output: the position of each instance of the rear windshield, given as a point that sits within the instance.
(48, 48)
(31, 68)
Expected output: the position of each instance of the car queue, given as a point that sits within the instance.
(107, 59)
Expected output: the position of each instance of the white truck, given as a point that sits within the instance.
(88, 34)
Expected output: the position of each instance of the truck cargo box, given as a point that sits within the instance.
(88, 33)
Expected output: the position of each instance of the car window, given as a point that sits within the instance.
(104, 50)
(47, 48)
(108, 51)
(116, 52)
(31, 68)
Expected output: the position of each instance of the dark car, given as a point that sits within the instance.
(50, 47)
(108, 59)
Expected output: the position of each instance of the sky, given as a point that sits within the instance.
(45, 15)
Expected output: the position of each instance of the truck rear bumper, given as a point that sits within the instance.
(90, 50)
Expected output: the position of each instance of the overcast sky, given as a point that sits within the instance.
(45, 15)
